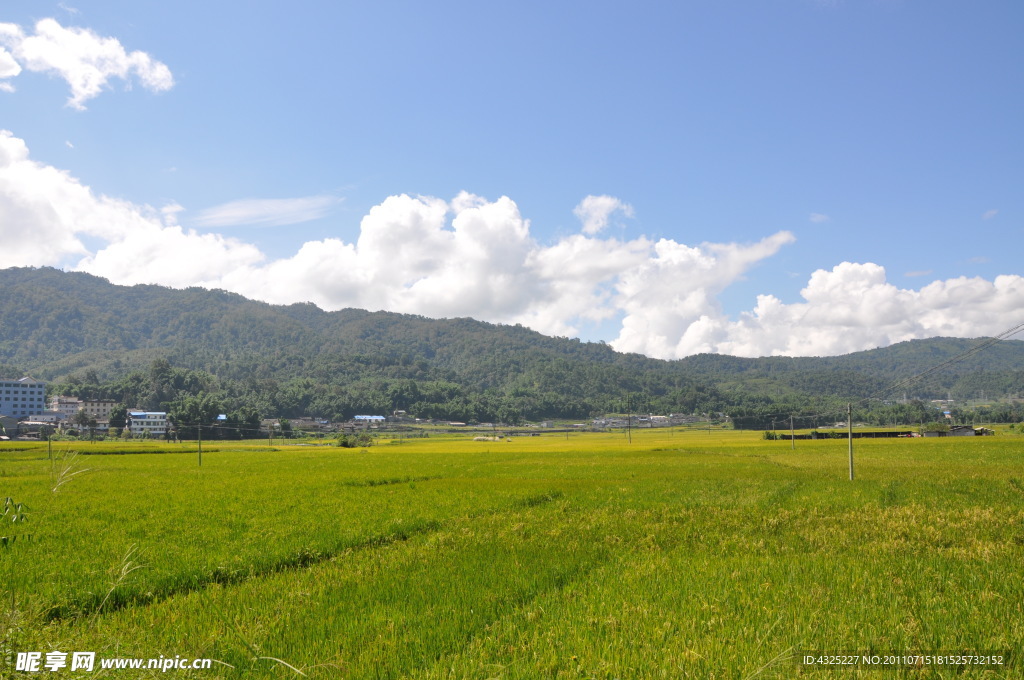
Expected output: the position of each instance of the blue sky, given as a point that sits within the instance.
(667, 177)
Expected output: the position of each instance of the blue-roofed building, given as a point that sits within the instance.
(366, 422)
(147, 423)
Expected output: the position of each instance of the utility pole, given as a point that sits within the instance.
(792, 433)
(849, 431)
(200, 430)
(629, 421)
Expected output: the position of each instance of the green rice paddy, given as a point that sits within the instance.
(680, 555)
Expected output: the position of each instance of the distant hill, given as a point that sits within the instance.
(997, 371)
(80, 330)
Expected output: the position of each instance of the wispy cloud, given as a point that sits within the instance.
(989, 214)
(819, 218)
(920, 272)
(266, 212)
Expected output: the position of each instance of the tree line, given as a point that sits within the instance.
(197, 398)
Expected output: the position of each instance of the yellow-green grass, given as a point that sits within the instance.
(682, 554)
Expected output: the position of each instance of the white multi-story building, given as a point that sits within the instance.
(67, 407)
(150, 423)
(19, 398)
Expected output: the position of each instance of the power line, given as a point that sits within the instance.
(906, 382)
(988, 342)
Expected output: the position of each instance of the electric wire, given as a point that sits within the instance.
(906, 382)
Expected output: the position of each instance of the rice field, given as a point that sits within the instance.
(683, 554)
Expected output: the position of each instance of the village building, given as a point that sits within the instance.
(367, 422)
(8, 427)
(97, 409)
(48, 417)
(22, 397)
(67, 407)
(147, 423)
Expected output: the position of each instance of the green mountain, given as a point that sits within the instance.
(149, 345)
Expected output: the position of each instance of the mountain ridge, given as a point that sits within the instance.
(76, 328)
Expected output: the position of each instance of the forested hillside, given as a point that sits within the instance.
(149, 346)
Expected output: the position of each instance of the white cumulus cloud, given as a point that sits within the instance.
(471, 256)
(670, 297)
(85, 60)
(8, 66)
(474, 257)
(45, 214)
(153, 252)
(414, 254)
(595, 211)
(853, 307)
